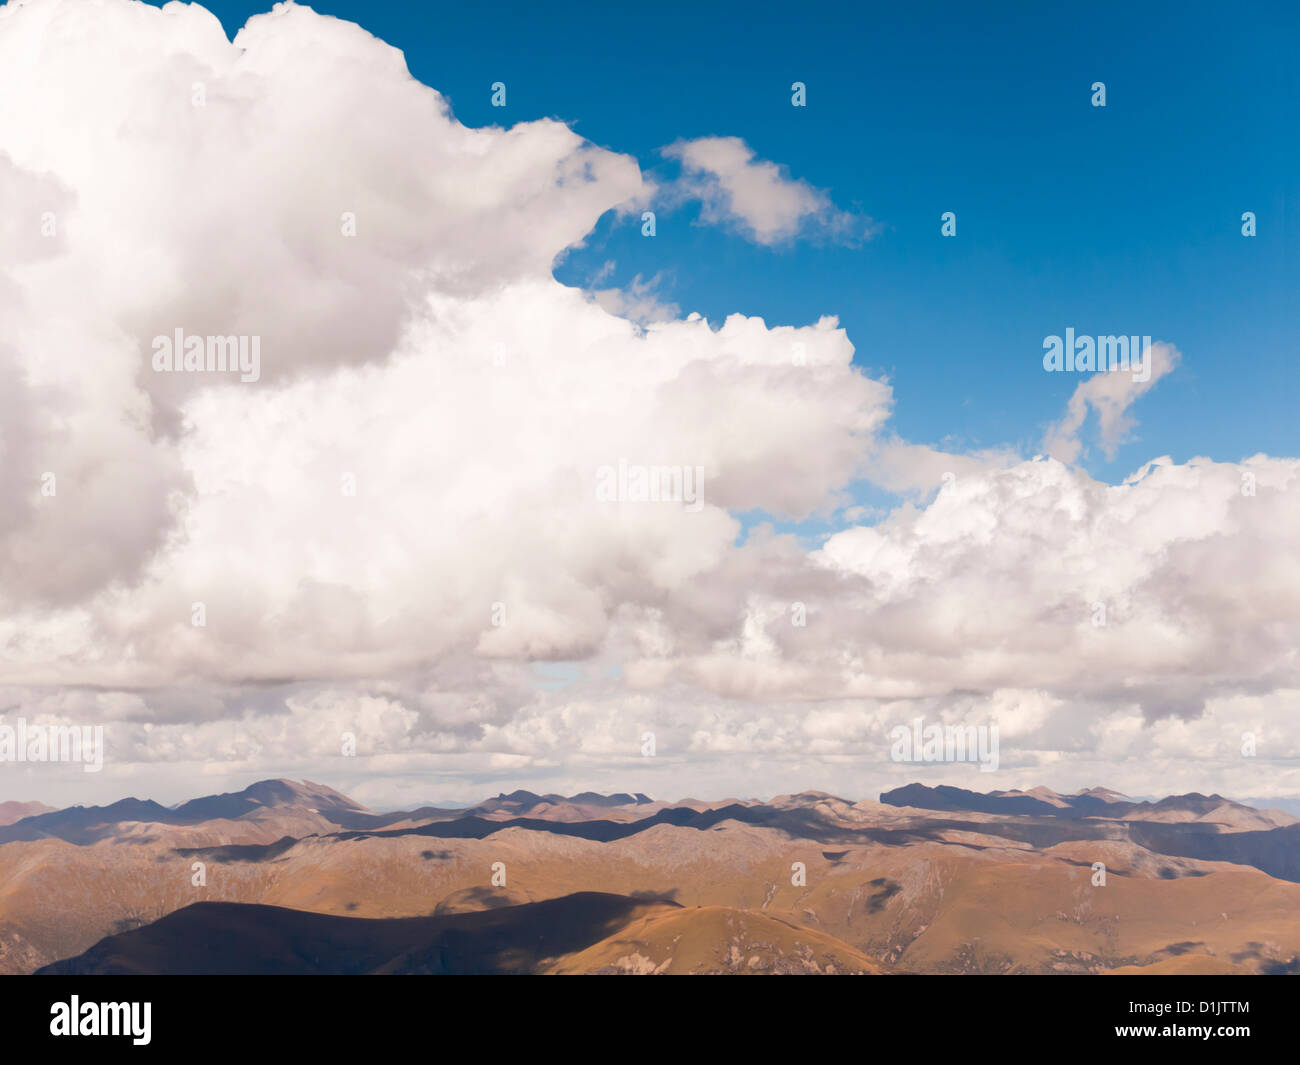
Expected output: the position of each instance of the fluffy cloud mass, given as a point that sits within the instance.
(402, 517)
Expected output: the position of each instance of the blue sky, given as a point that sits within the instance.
(1121, 219)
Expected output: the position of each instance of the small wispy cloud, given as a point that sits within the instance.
(758, 197)
(639, 301)
(1109, 395)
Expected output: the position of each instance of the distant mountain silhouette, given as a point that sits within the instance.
(1095, 802)
(86, 824)
(89, 824)
(264, 794)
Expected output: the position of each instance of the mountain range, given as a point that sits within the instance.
(296, 877)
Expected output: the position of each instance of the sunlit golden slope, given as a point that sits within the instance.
(717, 939)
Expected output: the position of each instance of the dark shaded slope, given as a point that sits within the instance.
(1275, 851)
(943, 797)
(228, 938)
(517, 803)
(1085, 804)
(796, 823)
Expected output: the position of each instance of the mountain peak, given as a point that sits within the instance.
(1105, 794)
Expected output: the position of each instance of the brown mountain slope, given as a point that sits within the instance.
(930, 906)
(908, 889)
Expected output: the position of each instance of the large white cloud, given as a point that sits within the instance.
(421, 457)
(431, 360)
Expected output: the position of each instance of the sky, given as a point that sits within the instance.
(881, 445)
(1123, 219)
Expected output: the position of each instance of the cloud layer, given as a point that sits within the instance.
(399, 520)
